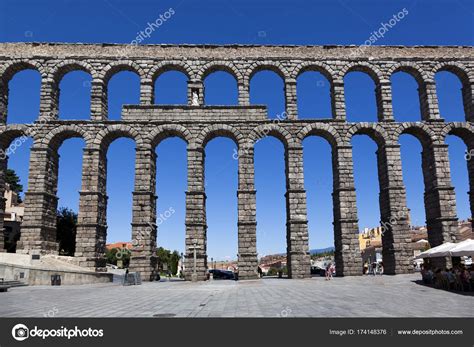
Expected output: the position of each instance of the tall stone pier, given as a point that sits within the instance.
(196, 123)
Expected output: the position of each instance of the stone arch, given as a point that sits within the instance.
(421, 131)
(10, 133)
(106, 136)
(72, 65)
(169, 65)
(275, 130)
(217, 130)
(466, 77)
(322, 68)
(413, 69)
(215, 66)
(374, 131)
(276, 67)
(7, 72)
(372, 70)
(57, 136)
(421, 77)
(464, 131)
(163, 132)
(457, 69)
(111, 69)
(326, 131)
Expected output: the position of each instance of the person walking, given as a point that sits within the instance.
(328, 272)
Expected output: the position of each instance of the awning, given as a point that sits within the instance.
(438, 251)
(464, 248)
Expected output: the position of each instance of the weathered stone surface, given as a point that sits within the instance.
(196, 123)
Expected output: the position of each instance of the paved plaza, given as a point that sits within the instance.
(384, 296)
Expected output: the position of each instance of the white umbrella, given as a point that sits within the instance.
(464, 248)
(438, 251)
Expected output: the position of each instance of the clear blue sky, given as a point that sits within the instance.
(248, 22)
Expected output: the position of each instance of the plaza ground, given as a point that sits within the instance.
(364, 296)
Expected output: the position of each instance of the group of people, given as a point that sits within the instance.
(458, 278)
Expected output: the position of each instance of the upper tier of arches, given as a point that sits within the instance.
(101, 72)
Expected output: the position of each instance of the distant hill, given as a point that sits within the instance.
(321, 250)
(311, 251)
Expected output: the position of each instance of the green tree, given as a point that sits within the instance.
(66, 235)
(164, 256)
(174, 260)
(14, 181)
(114, 254)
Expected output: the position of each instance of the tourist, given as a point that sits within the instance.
(125, 278)
(328, 272)
(369, 268)
(439, 278)
(451, 278)
(423, 272)
(426, 274)
(466, 279)
(430, 275)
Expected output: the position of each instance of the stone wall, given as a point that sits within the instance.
(148, 124)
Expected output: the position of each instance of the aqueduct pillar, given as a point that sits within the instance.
(191, 121)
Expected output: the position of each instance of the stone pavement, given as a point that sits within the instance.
(384, 296)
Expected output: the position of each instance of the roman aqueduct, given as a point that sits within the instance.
(148, 124)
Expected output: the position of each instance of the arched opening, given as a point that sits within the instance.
(450, 101)
(439, 214)
(318, 176)
(220, 88)
(123, 88)
(268, 88)
(410, 151)
(171, 184)
(171, 88)
(75, 95)
(221, 185)
(460, 176)
(361, 103)
(120, 185)
(15, 157)
(68, 187)
(24, 97)
(271, 205)
(405, 98)
(367, 197)
(313, 95)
